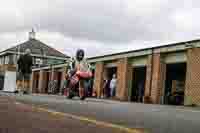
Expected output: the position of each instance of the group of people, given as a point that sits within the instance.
(109, 87)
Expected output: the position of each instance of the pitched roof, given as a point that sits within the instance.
(161, 46)
(37, 47)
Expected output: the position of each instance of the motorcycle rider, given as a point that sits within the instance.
(81, 68)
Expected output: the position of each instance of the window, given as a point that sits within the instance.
(1, 61)
(11, 59)
(38, 61)
(6, 59)
(15, 59)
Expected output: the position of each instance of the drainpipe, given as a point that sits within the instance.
(18, 55)
(151, 79)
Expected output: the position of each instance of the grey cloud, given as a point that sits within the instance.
(103, 22)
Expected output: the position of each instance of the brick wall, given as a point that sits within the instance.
(42, 81)
(148, 76)
(129, 79)
(192, 90)
(98, 79)
(55, 75)
(158, 75)
(32, 82)
(124, 77)
(34, 86)
(147, 92)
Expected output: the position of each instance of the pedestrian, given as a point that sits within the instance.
(90, 88)
(141, 91)
(113, 85)
(24, 71)
(104, 88)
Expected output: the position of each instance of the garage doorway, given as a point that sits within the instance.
(175, 83)
(111, 71)
(106, 83)
(47, 82)
(138, 84)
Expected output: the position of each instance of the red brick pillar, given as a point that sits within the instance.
(158, 78)
(124, 75)
(98, 78)
(192, 89)
(55, 75)
(42, 79)
(148, 81)
(33, 82)
(148, 76)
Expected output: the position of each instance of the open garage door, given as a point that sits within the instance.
(175, 83)
(138, 84)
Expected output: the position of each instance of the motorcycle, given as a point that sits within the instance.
(74, 78)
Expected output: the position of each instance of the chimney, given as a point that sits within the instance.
(32, 34)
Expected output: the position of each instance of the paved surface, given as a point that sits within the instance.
(20, 118)
(155, 118)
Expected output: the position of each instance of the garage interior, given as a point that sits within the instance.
(175, 84)
(109, 74)
(138, 84)
(111, 71)
(48, 74)
(37, 83)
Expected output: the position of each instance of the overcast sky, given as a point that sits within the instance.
(99, 26)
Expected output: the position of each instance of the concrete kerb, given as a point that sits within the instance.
(87, 99)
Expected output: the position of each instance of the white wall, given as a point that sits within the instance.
(10, 81)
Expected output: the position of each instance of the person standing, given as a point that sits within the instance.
(24, 71)
(113, 85)
(104, 87)
(140, 92)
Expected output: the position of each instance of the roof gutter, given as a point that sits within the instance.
(151, 77)
(37, 55)
(50, 66)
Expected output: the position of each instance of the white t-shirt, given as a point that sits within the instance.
(83, 65)
(113, 83)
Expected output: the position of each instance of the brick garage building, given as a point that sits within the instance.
(161, 71)
(42, 76)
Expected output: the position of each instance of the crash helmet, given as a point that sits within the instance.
(80, 54)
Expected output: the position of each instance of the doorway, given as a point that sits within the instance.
(111, 71)
(37, 83)
(138, 84)
(47, 81)
(91, 84)
(175, 83)
(59, 82)
(109, 75)
(1, 82)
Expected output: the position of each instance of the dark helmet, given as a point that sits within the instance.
(80, 54)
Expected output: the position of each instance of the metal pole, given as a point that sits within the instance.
(18, 56)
